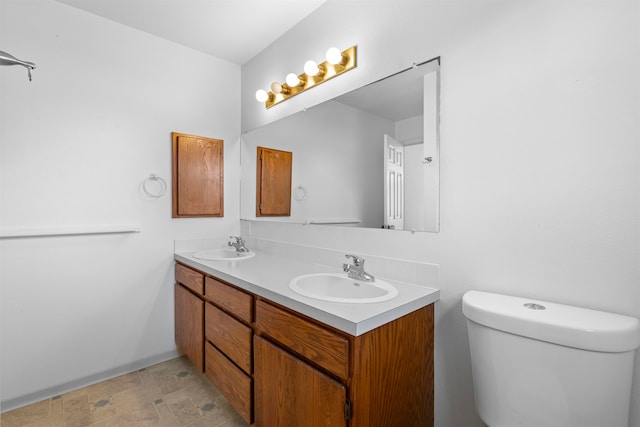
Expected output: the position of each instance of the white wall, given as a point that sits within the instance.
(76, 144)
(540, 173)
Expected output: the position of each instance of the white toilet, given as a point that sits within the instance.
(539, 364)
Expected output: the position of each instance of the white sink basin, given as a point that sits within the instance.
(340, 288)
(223, 255)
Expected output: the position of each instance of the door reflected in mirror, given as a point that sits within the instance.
(368, 158)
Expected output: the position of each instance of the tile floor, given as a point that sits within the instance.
(171, 393)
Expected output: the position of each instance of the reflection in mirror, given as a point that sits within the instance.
(273, 182)
(369, 158)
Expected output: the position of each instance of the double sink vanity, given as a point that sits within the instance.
(294, 342)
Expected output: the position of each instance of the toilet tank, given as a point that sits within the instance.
(543, 364)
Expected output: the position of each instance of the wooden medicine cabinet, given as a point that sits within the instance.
(273, 182)
(198, 176)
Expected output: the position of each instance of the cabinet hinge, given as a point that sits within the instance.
(347, 409)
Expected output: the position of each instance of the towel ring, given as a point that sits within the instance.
(300, 193)
(155, 178)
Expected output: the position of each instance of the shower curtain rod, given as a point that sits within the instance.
(7, 59)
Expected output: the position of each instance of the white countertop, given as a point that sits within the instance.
(269, 275)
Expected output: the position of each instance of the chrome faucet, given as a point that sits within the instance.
(238, 244)
(355, 270)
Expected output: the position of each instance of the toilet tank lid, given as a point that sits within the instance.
(557, 323)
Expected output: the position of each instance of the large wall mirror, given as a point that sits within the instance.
(368, 158)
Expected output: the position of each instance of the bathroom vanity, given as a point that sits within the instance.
(282, 361)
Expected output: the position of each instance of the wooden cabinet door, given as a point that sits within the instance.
(288, 392)
(189, 325)
(198, 176)
(273, 182)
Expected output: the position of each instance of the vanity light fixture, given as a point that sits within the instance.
(336, 63)
(293, 80)
(278, 88)
(334, 56)
(262, 95)
(311, 68)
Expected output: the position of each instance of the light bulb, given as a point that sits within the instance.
(262, 95)
(276, 87)
(311, 68)
(334, 56)
(292, 80)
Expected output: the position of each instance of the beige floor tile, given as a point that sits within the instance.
(75, 393)
(174, 365)
(136, 397)
(102, 409)
(106, 388)
(170, 381)
(176, 396)
(46, 422)
(142, 417)
(55, 418)
(146, 377)
(234, 422)
(166, 415)
(27, 414)
(199, 394)
(75, 410)
(228, 413)
(169, 394)
(185, 412)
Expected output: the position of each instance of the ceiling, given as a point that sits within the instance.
(233, 30)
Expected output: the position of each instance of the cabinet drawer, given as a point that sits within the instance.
(192, 279)
(229, 335)
(230, 380)
(230, 299)
(317, 344)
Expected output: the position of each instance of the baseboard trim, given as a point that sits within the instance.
(37, 396)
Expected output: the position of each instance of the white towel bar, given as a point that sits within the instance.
(14, 233)
(332, 221)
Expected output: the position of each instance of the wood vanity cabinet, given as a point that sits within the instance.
(387, 373)
(189, 314)
(279, 368)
